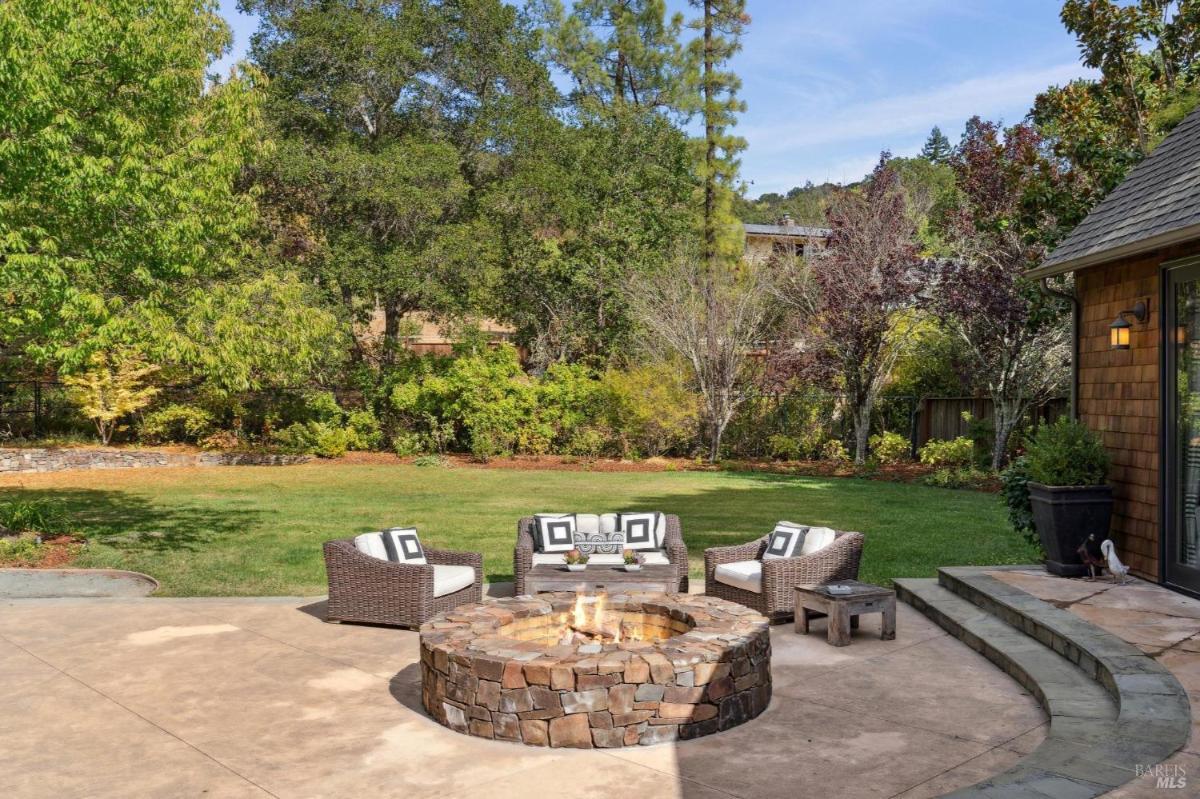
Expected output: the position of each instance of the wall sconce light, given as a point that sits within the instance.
(1118, 331)
(1181, 335)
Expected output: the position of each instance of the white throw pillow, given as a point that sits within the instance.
(555, 533)
(403, 546)
(371, 544)
(587, 523)
(642, 530)
(786, 541)
(816, 539)
(608, 523)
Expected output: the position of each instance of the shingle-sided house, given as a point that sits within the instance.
(1136, 261)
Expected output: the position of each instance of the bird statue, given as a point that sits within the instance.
(1090, 553)
(1115, 566)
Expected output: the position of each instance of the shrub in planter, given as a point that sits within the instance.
(1068, 497)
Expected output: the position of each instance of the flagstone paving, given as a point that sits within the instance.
(259, 697)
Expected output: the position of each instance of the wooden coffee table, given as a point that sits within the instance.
(614, 579)
(843, 610)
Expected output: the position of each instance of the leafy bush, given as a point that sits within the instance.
(364, 430)
(433, 460)
(957, 452)
(890, 447)
(33, 516)
(315, 438)
(834, 450)
(490, 442)
(961, 477)
(1066, 453)
(651, 409)
(784, 448)
(405, 443)
(1015, 490)
(20, 551)
(176, 422)
(221, 440)
(587, 443)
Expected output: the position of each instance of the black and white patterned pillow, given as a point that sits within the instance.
(641, 530)
(556, 533)
(403, 546)
(600, 543)
(785, 541)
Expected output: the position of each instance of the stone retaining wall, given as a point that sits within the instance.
(54, 459)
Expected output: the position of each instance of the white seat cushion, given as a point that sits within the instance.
(371, 544)
(816, 539)
(743, 574)
(448, 579)
(651, 558)
(608, 522)
(587, 523)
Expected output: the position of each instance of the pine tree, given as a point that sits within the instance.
(721, 24)
(937, 147)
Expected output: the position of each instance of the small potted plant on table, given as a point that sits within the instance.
(633, 560)
(576, 560)
(1067, 467)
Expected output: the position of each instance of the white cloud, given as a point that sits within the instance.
(903, 115)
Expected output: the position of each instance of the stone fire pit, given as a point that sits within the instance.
(576, 670)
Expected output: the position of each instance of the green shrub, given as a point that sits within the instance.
(1066, 453)
(834, 450)
(34, 516)
(890, 447)
(784, 448)
(433, 460)
(960, 477)
(1015, 491)
(177, 422)
(587, 443)
(651, 409)
(957, 452)
(20, 551)
(405, 443)
(364, 430)
(315, 438)
(490, 442)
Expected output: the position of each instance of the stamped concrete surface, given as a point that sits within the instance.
(259, 697)
(1163, 624)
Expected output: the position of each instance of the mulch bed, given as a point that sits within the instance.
(54, 553)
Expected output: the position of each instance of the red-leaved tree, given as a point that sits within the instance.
(849, 297)
(1015, 334)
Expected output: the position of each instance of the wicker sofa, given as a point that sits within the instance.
(676, 551)
(776, 600)
(367, 589)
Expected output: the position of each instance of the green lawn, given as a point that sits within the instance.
(258, 530)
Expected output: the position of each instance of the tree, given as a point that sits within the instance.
(848, 300)
(119, 167)
(395, 120)
(620, 54)
(721, 25)
(713, 320)
(111, 388)
(937, 147)
(1012, 332)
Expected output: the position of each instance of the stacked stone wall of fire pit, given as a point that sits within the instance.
(685, 666)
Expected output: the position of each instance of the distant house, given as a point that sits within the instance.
(1136, 261)
(764, 242)
(426, 336)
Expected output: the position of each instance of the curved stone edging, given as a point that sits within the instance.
(1112, 708)
(58, 583)
(696, 665)
(57, 459)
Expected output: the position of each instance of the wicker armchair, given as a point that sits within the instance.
(673, 543)
(367, 589)
(838, 561)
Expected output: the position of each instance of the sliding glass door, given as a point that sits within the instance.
(1181, 389)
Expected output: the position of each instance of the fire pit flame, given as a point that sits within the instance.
(595, 626)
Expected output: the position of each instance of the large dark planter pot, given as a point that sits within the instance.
(1064, 517)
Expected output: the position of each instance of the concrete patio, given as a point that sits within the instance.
(259, 697)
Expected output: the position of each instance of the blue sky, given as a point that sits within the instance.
(830, 84)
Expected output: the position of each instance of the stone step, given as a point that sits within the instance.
(1092, 746)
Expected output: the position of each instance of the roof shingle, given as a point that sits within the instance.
(1158, 196)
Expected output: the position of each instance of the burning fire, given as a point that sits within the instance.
(595, 626)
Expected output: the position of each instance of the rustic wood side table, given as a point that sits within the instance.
(843, 610)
